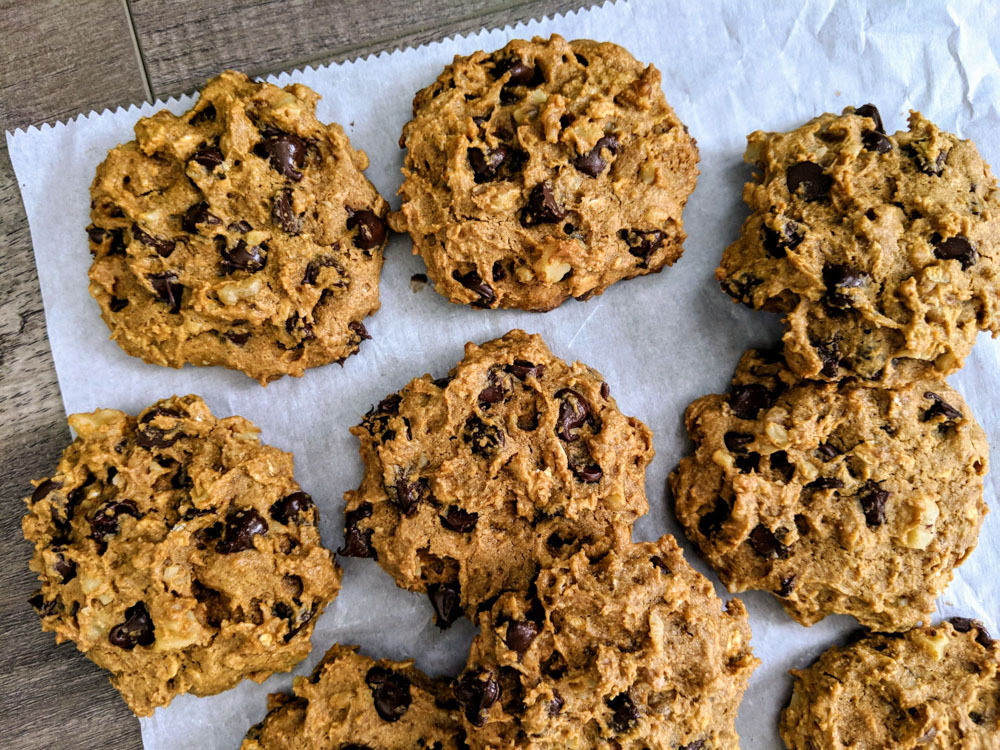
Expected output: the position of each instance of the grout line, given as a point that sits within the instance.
(147, 84)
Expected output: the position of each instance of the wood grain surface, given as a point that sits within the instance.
(61, 58)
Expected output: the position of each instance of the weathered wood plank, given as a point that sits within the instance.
(185, 43)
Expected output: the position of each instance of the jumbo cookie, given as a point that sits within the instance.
(881, 251)
(545, 170)
(241, 233)
(630, 650)
(177, 552)
(835, 497)
(474, 481)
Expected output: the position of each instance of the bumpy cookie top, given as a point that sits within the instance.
(472, 481)
(882, 251)
(837, 498)
(353, 703)
(545, 170)
(177, 552)
(932, 687)
(632, 651)
(241, 233)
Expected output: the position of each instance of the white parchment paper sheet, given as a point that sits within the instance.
(661, 341)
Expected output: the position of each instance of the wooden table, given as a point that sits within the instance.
(62, 57)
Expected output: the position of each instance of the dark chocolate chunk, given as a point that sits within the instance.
(168, 289)
(476, 692)
(241, 527)
(459, 520)
(746, 401)
(625, 713)
(588, 473)
(873, 499)
(940, 408)
(711, 523)
(390, 693)
(483, 438)
(357, 543)
(371, 228)
(787, 585)
(574, 411)
(825, 483)
(965, 624)
(408, 494)
(446, 598)
(737, 442)
(747, 463)
(838, 278)
(65, 568)
(136, 630)
(878, 142)
(520, 635)
(162, 247)
(781, 465)
(283, 214)
(286, 153)
(493, 392)
(522, 369)
(313, 267)
(766, 544)
(198, 214)
(244, 257)
(209, 157)
(827, 452)
(810, 178)
(117, 304)
(871, 111)
(107, 519)
(660, 563)
(542, 206)
(955, 248)
(593, 163)
(778, 243)
(287, 509)
(642, 244)
(45, 489)
(474, 283)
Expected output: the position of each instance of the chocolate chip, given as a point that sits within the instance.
(476, 692)
(237, 337)
(117, 304)
(150, 436)
(287, 509)
(371, 228)
(42, 607)
(483, 438)
(556, 704)
(787, 585)
(827, 452)
(206, 114)
(932, 169)
(488, 165)
(65, 568)
(95, 234)
(162, 247)
(810, 178)
(446, 598)
(825, 483)
(736, 442)
(659, 562)
(605, 390)
(711, 523)
(877, 142)
(574, 411)
(390, 692)
(521, 73)
(742, 287)
(136, 630)
(542, 206)
(283, 214)
(873, 499)
(45, 489)
(315, 265)
(592, 163)
(459, 520)
(955, 248)
(781, 465)
(520, 635)
(696, 745)
(474, 283)
(357, 543)
(198, 214)
(286, 152)
(493, 392)
(871, 111)
(940, 408)
(408, 494)
(626, 713)
(839, 277)
(589, 473)
(965, 624)
(106, 520)
(778, 243)
(829, 358)
(522, 369)
(766, 544)
(642, 244)
(746, 401)
(244, 257)
(241, 527)
(168, 289)
(748, 463)
(209, 157)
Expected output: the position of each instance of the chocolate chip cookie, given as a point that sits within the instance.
(545, 170)
(177, 552)
(353, 703)
(512, 461)
(241, 233)
(931, 687)
(835, 497)
(882, 251)
(632, 650)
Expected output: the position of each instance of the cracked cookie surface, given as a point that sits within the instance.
(631, 651)
(351, 702)
(544, 170)
(241, 233)
(882, 251)
(473, 481)
(177, 551)
(932, 687)
(835, 497)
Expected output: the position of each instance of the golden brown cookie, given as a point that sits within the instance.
(353, 703)
(933, 687)
(882, 251)
(514, 460)
(177, 552)
(835, 497)
(631, 651)
(542, 171)
(241, 233)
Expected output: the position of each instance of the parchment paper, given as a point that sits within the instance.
(661, 341)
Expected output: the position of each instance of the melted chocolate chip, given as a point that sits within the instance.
(781, 465)
(483, 438)
(827, 452)
(65, 568)
(878, 142)
(315, 265)
(283, 214)
(502, 162)
(642, 244)
(660, 563)
(955, 248)
(542, 206)
(390, 693)
(198, 214)
(459, 520)
(940, 408)
(825, 483)
(243, 257)
(288, 509)
(357, 543)
(209, 157)
(929, 168)
(778, 243)
(408, 494)
(241, 527)
(787, 585)
(574, 411)
(592, 163)
(746, 401)
(748, 463)
(106, 520)
(522, 369)
(136, 630)
(520, 635)
(286, 152)
(711, 523)
(493, 392)
(965, 624)
(446, 598)
(168, 289)
(766, 544)
(871, 111)
(45, 489)
(625, 712)
(521, 73)
(588, 473)
(162, 247)
(556, 704)
(840, 277)
(873, 499)
(237, 337)
(371, 228)
(736, 442)
(474, 283)
(476, 692)
(206, 114)
(358, 329)
(810, 178)
(150, 436)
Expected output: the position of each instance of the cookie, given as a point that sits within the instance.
(512, 461)
(931, 687)
(352, 703)
(633, 650)
(177, 552)
(835, 497)
(545, 170)
(241, 233)
(882, 251)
